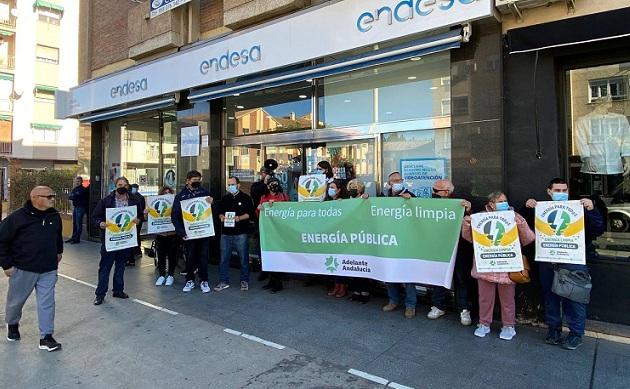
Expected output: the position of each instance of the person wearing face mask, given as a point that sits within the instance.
(197, 250)
(31, 247)
(555, 306)
(443, 189)
(120, 197)
(137, 251)
(167, 244)
(397, 188)
(235, 210)
(337, 191)
(275, 195)
(360, 286)
(489, 283)
(324, 167)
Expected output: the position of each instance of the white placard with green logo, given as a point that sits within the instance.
(495, 241)
(560, 232)
(312, 187)
(120, 232)
(159, 211)
(197, 214)
(386, 239)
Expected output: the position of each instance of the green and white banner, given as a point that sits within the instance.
(387, 239)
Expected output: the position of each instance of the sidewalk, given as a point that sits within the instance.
(128, 344)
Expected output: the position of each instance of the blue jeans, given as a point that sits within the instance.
(119, 258)
(555, 306)
(229, 243)
(393, 292)
(77, 223)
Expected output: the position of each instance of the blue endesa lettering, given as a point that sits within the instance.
(128, 88)
(404, 11)
(231, 59)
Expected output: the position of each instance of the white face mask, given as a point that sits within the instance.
(397, 187)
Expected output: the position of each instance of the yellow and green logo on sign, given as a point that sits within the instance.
(559, 223)
(196, 212)
(121, 223)
(160, 208)
(495, 234)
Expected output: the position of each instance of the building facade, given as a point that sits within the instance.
(462, 89)
(38, 55)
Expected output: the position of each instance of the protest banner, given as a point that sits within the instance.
(197, 214)
(312, 187)
(387, 239)
(560, 232)
(120, 230)
(495, 241)
(159, 210)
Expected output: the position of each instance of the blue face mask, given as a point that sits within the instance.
(502, 206)
(332, 192)
(134, 190)
(319, 171)
(559, 196)
(398, 187)
(232, 189)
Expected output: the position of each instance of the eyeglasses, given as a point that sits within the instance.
(49, 197)
(435, 190)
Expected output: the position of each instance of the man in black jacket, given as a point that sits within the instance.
(30, 250)
(80, 197)
(117, 199)
(197, 250)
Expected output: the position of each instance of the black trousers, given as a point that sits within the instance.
(197, 255)
(167, 247)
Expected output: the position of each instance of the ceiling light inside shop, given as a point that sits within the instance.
(433, 88)
(302, 96)
(416, 59)
(236, 94)
(309, 80)
(412, 78)
(239, 107)
(231, 117)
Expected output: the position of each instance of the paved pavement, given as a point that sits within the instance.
(296, 338)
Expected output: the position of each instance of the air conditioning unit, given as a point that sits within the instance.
(516, 7)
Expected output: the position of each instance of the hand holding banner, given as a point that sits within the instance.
(496, 243)
(159, 210)
(560, 232)
(121, 232)
(197, 214)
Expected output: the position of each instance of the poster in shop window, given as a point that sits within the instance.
(190, 141)
(159, 210)
(496, 243)
(312, 187)
(197, 214)
(421, 174)
(560, 232)
(120, 231)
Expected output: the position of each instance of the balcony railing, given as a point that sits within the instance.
(7, 63)
(7, 22)
(6, 147)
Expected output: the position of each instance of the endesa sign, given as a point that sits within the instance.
(328, 29)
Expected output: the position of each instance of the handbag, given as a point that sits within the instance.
(521, 277)
(574, 285)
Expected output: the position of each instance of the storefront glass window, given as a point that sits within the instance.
(284, 108)
(243, 162)
(289, 169)
(407, 90)
(191, 129)
(599, 147)
(421, 157)
(141, 154)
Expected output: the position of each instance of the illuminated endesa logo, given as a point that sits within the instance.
(128, 88)
(404, 11)
(231, 59)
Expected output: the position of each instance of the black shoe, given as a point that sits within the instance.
(121, 295)
(365, 298)
(98, 300)
(554, 336)
(13, 333)
(262, 276)
(268, 285)
(75, 242)
(49, 344)
(277, 287)
(571, 342)
(69, 241)
(355, 296)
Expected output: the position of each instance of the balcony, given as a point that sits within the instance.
(7, 23)
(7, 63)
(6, 147)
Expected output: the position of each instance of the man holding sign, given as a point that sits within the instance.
(117, 216)
(194, 203)
(591, 225)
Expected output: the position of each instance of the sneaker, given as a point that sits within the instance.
(169, 281)
(571, 342)
(190, 285)
(482, 330)
(554, 336)
(435, 313)
(390, 307)
(507, 333)
(160, 281)
(410, 313)
(205, 288)
(244, 286)
(13, 332)
(49, 344)
(464, 317)
(221, 286)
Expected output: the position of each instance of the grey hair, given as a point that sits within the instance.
(492, 197)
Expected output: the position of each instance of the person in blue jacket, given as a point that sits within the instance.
(197, 250)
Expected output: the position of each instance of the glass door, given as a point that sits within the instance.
(289, 169)
(140, 154)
